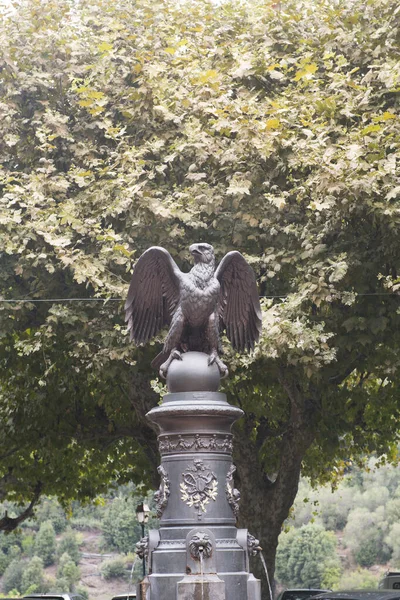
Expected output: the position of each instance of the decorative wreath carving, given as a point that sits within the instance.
(199, 486)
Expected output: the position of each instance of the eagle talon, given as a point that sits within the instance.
(175, 354)
(223, 369)
(212, 358)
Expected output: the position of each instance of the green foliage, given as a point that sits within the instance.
(364, 535)
(33, 576)
(87, 516)
(372, 498)
(69, 544)
(68, 570)
(361, 579)
(14, 551)
(332, 574)
(45, 543)
(113, 569)
(83, 592)
(12, 578)
(28, 544)
(323, 505)
(4, 562)
(393, 510)
(121, 529)
(362, 506)
(10, 549)
(306, 557)
(84, 524)
(11, 543)
(63, 584)
(392, 539)
(60, 585)
(49, 510)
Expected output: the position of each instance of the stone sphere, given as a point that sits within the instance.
(193, 374)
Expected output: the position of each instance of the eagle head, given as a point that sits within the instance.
(202, 253)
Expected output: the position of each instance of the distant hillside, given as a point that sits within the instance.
(89, 549)
(363, 514)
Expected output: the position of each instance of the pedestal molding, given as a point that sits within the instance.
(201, 442)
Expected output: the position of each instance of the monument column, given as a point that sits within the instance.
(197, 553)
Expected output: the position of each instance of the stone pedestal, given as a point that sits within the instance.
(197, 553)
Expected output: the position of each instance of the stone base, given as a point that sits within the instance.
(253, 588)
(197, 587)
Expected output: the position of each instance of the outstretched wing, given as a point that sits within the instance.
(240, 305)
(153, 294)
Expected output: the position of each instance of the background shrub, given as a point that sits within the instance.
(45, 543)
(12, 577)
(28, 544)
(69, 544)
(49, 510)
(112, 569)
(304, 555)
(121, 530)
(33, 576)
(68, 570)
(361, 579)
(365, 534)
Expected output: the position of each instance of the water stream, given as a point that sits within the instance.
(131, 576)
(202, 576)
(266, 573)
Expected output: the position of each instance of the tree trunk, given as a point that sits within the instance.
(266, 501)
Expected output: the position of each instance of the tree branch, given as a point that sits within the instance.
(10, 523)
(340, 377)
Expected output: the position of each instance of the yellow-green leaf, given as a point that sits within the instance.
(306, 71)
(95, 95)
(207, 76)
(387, 116)
(311, 68)
(122, 249)
(85, 102)
(105, 47)
(273, 123)
(370, 129)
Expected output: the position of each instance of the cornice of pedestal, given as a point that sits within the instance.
(195, 404)
(192, 409)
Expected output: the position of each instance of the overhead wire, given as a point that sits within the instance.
(54, 300)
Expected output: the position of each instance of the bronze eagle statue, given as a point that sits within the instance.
(196, 305)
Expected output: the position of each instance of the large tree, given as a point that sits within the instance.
(270, 128)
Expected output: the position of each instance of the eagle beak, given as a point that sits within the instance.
(194, 250)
